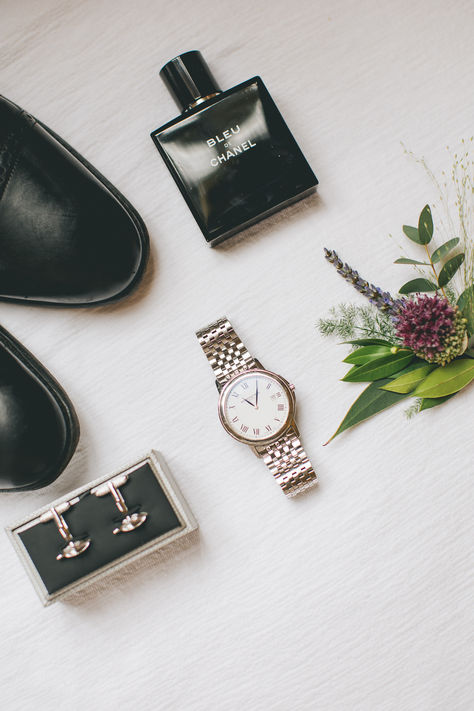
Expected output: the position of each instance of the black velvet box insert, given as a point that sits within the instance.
(152, 501)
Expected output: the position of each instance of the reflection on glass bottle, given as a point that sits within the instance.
(230, 152)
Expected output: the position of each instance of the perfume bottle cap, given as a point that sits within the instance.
(189, 79)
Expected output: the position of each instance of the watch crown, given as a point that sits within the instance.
(292, 387)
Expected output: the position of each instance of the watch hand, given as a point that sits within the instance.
(256, 392)
(245, 400)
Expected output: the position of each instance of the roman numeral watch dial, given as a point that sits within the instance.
(257, 407)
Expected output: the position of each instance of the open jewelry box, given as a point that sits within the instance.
(102, 526)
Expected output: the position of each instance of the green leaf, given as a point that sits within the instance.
(417, 285)
(425, 225)
(380, 367)
(351, 372)
(429, 402)
(371, 401)
(416, 363)
(366, 354)
(409, 381)
(405, 260)
(466, 305)
(412, 233)
(369, 342)
(447, 379)
(450, 269)
(444, 249)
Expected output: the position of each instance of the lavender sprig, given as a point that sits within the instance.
(381, 299)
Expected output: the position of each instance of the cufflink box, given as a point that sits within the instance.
(101, 527)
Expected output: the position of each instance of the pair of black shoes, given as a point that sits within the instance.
(69, 238)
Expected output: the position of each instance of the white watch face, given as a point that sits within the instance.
(255, 406)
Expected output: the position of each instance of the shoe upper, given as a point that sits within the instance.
(38, 426)
(67, 236)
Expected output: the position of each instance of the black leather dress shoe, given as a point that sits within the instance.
(38, 426)
(67, 236)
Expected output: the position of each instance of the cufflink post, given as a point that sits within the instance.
(74, 546)
(130, 521)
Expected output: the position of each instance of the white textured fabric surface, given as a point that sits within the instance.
(357, 596)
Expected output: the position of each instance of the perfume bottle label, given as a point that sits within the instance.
(232, 149)
(225, 136)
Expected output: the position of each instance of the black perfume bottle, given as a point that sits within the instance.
(230, 152)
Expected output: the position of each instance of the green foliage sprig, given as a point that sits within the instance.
(423, 235)
(350, 321)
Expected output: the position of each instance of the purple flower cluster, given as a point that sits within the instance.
(381, 299)
(424, 324)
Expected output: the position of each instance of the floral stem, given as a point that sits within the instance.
(374, 333)
(434, 271)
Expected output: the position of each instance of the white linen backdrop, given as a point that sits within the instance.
(357, 596)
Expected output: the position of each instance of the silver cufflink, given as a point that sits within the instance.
(130, 521)
(74, 546)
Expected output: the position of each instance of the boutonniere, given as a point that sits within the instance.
(414, 345)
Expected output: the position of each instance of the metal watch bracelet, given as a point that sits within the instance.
(285, 456)
(224, 350)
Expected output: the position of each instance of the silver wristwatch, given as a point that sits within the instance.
(257, 407)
